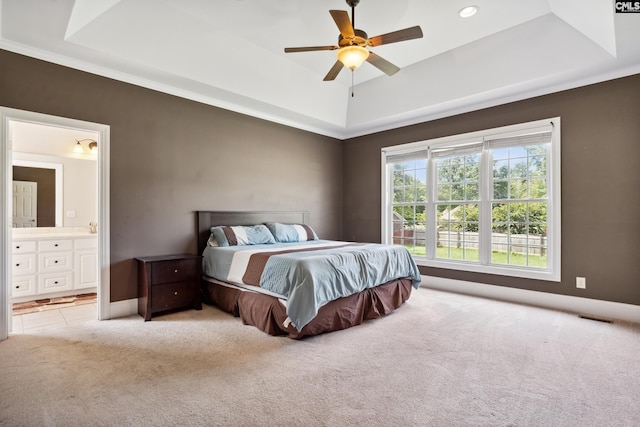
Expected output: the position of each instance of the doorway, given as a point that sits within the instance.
(10, 118)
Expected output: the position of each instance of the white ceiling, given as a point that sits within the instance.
(230, 53)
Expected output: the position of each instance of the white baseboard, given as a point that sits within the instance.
(598, 309)
(123, 308)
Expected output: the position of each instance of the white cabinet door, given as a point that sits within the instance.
(86, 269)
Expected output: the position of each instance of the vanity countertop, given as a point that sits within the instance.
(52, 233)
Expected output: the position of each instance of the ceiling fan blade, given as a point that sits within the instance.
(382, 64)
(308, 48)
(333, 72)
(341, 17)
(396, 36)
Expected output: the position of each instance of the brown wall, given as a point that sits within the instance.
(171, 156)
(600, 184)
(46, 198)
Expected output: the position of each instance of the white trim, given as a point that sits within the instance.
(104, 224)
(421, 115)
(7, 115)
(123, 308)
(474, 103)
(600, 309)
(294, 120)
(516, 271)
(5, 229)
(471, 137)
(58, 168)
(553, 271)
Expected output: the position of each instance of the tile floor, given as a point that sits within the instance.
(34, 322)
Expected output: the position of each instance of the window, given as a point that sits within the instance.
(487, 201)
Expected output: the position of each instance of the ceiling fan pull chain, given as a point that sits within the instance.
(352, 83)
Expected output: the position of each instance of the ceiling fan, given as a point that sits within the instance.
(352, 43)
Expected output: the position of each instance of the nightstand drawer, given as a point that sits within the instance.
(168, 282)
(173, 295)
(174, 271)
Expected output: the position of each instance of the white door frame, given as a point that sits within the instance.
(7, 115)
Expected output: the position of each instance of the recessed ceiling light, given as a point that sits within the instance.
(468, 11)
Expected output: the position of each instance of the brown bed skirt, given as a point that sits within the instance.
(268, 314)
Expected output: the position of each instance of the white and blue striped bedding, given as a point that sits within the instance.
(317, 272)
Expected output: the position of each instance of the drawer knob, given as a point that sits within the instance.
(175, 271)
(56, 245)
(55, 262)
(17, 247)
(17, 265)
(175, 293)
(55, 283)
(17, 286)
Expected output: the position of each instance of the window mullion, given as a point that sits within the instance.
(486, 194)
(430, 226)
(387, 206)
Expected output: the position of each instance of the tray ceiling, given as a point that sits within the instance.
(230, 53)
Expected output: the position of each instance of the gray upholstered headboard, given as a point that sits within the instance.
(208, 219)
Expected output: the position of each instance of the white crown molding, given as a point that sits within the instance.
(426, 114)
(328, 130)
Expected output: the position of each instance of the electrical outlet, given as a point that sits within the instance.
(581, 283)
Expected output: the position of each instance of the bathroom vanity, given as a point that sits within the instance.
(53, 262)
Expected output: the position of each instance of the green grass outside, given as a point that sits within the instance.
(472, 255)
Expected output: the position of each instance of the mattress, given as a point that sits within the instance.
(305, 276)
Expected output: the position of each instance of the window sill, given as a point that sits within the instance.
(521, 272)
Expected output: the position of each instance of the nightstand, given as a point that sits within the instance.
(168, 282)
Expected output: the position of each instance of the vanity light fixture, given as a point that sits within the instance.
(78, 148)
(467, 12)
(93, 146)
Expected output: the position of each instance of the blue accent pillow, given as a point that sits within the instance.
(286, 233)
(242, 235)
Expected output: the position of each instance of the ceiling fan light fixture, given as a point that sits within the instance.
(352, 56)
(469, 11)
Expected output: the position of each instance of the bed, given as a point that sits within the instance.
(273, 271)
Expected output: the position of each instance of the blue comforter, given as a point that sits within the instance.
(308, 279)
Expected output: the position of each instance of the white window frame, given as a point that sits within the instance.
(552, 272)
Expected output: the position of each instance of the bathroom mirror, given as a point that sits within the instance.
(48, 179)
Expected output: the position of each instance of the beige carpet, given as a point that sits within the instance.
(440, 360)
